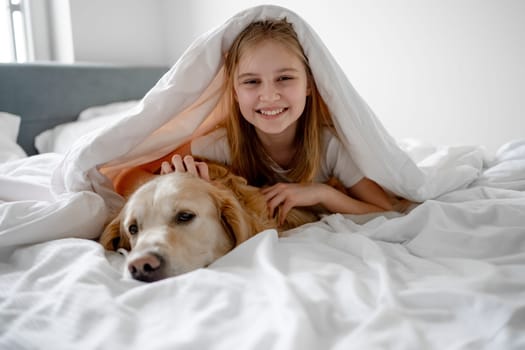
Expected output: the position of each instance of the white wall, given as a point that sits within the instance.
(449, 72)
(118, 31)
(61, 31)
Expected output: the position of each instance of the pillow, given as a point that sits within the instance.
(9, 126)
(110, 108)
(60, 138)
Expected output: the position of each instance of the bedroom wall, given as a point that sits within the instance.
(448, 72)
(118, 31)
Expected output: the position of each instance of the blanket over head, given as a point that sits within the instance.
(183, 99)
(185, 103)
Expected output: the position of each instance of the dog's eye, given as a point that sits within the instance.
(184, 216)
(133, 229)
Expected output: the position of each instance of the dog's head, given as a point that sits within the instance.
(176, 223)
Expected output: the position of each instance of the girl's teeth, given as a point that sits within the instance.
(275, 112)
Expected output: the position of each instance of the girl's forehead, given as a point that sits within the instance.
(267, 53)
(265, 44)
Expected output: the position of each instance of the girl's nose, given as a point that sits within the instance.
(269, 92)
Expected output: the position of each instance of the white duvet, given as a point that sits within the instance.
(448, 275)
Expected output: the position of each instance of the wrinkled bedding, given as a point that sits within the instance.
(450, 274)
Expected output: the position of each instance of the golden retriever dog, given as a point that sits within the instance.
(178, 222)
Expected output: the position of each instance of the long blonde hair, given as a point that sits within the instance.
(247, 153)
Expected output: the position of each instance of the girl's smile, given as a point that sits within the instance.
(272, 113)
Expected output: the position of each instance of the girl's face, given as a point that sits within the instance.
(271, 88)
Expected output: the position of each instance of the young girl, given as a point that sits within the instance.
(279, 134)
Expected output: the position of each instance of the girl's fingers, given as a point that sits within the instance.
(270, 192)
(268, 195)
(188, 164)
(285, 209)
(176, 160)
(191, 168)
(165, 168)
(275, 202)
(202, 169)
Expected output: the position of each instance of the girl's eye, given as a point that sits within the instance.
(251, 81)
(284, 78)
(133, 229)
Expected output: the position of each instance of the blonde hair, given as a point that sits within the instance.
(247, 153)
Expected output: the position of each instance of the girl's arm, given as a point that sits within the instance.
(368, 191)
(362, 198)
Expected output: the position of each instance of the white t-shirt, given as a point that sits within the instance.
(336, 160)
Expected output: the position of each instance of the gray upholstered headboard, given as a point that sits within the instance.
(46, 95)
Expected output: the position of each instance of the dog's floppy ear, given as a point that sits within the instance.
(234, 218)
(111, 238)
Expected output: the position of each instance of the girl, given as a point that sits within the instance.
(279, 134)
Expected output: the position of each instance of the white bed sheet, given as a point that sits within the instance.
(448, 275)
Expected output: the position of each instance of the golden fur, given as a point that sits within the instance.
(183, 222)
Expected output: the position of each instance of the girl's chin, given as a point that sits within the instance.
(273, 129)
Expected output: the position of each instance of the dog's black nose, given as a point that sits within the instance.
(147, 268)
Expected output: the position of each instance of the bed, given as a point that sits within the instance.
(450, 274)
(59, 92)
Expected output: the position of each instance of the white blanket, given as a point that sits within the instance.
(449, 275)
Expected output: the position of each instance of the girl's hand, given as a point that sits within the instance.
(188, 164)
(402, 205)
(289, 195)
